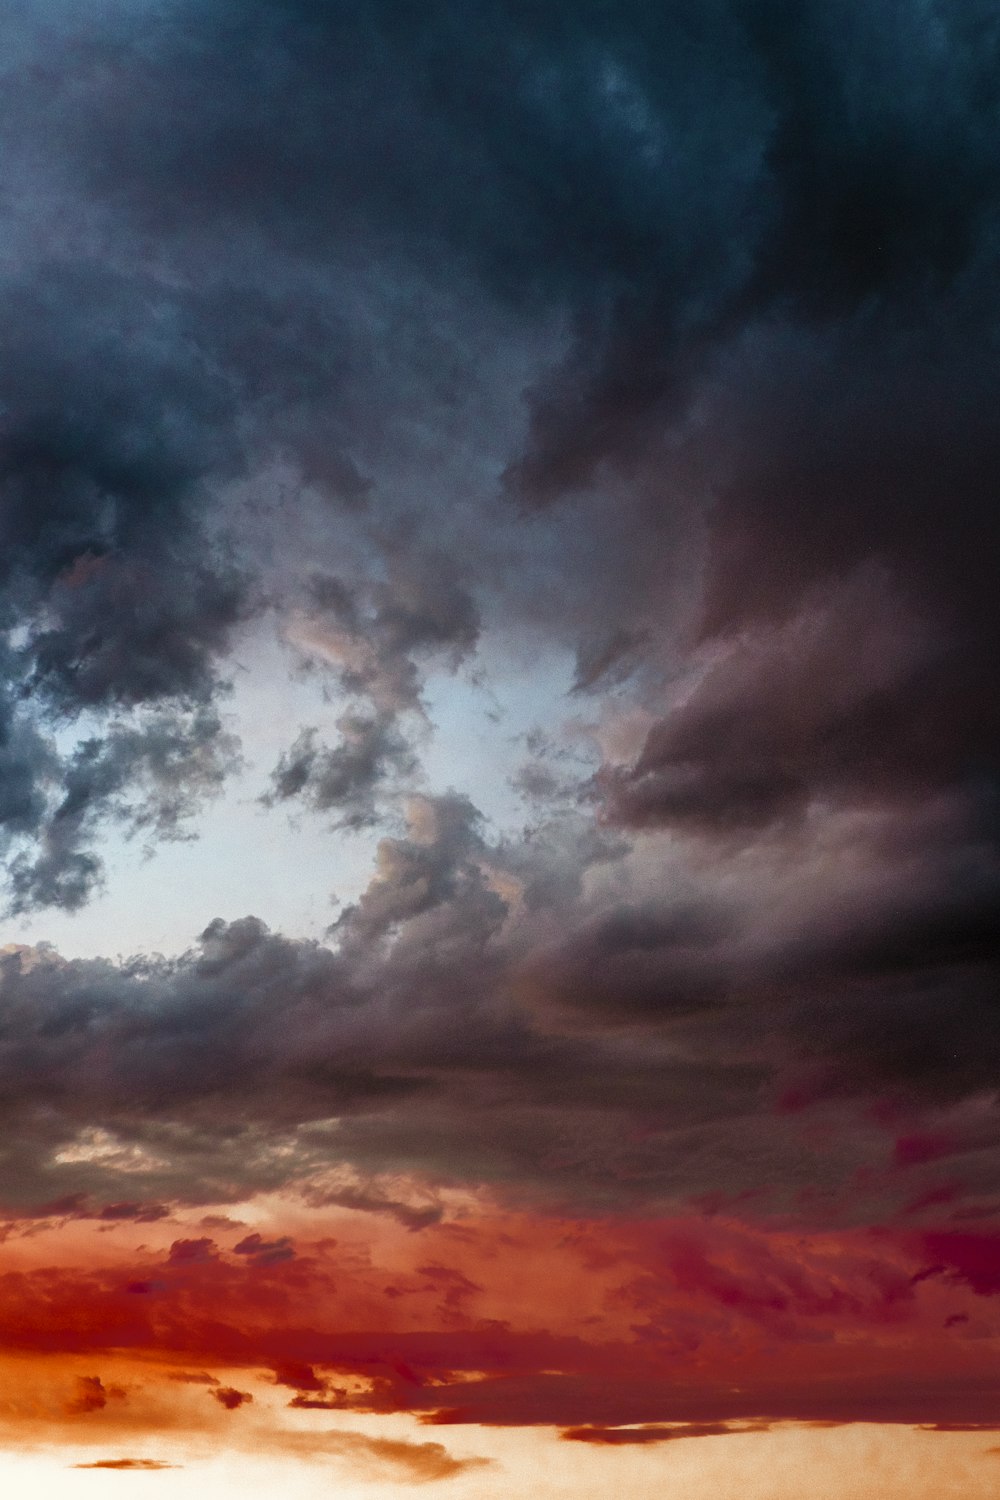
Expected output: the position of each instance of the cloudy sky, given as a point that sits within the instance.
(499, 748)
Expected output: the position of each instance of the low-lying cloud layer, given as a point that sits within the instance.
(472, 1027)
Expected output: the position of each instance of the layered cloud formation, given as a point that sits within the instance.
(638, 362)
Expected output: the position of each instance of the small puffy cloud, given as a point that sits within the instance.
(92, 1395)
(265, 1252)
(229, 1397)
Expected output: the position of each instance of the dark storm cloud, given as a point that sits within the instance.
(673, 190)
(697, 185)
(849, 624)
(469, 1028)
(109, 420)
(660, 175)
(750, 250)
(397, 1033)
(115, 600)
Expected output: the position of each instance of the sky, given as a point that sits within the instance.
(499, 749)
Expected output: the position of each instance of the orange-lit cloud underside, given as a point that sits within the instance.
(501, 1320)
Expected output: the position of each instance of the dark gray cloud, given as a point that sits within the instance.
(687, 173)
(434, 872)
(376, 637)
(563, 1042)
(735, 447)
(116, 598)
(252, 1035)
(684, 169)
(377, 641)
(343, 780)
(110, 420)
(149, 777)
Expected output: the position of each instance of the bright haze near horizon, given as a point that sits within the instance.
(499, 749)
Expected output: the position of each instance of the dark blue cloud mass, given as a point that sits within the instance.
(662, 336)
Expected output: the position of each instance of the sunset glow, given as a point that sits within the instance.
(499, 750)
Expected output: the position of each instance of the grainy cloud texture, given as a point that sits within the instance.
(511, 491)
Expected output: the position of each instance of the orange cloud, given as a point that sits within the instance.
(229, 1397)
(620, 1332)
(387, 1458)
(91, 1395)
(127, 1463)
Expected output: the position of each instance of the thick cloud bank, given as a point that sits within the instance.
(661, 339)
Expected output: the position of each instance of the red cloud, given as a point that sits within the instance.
(229, 1397)
(619, 1436)
(972, 1258)
(92, 1395)
(620, 1332)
